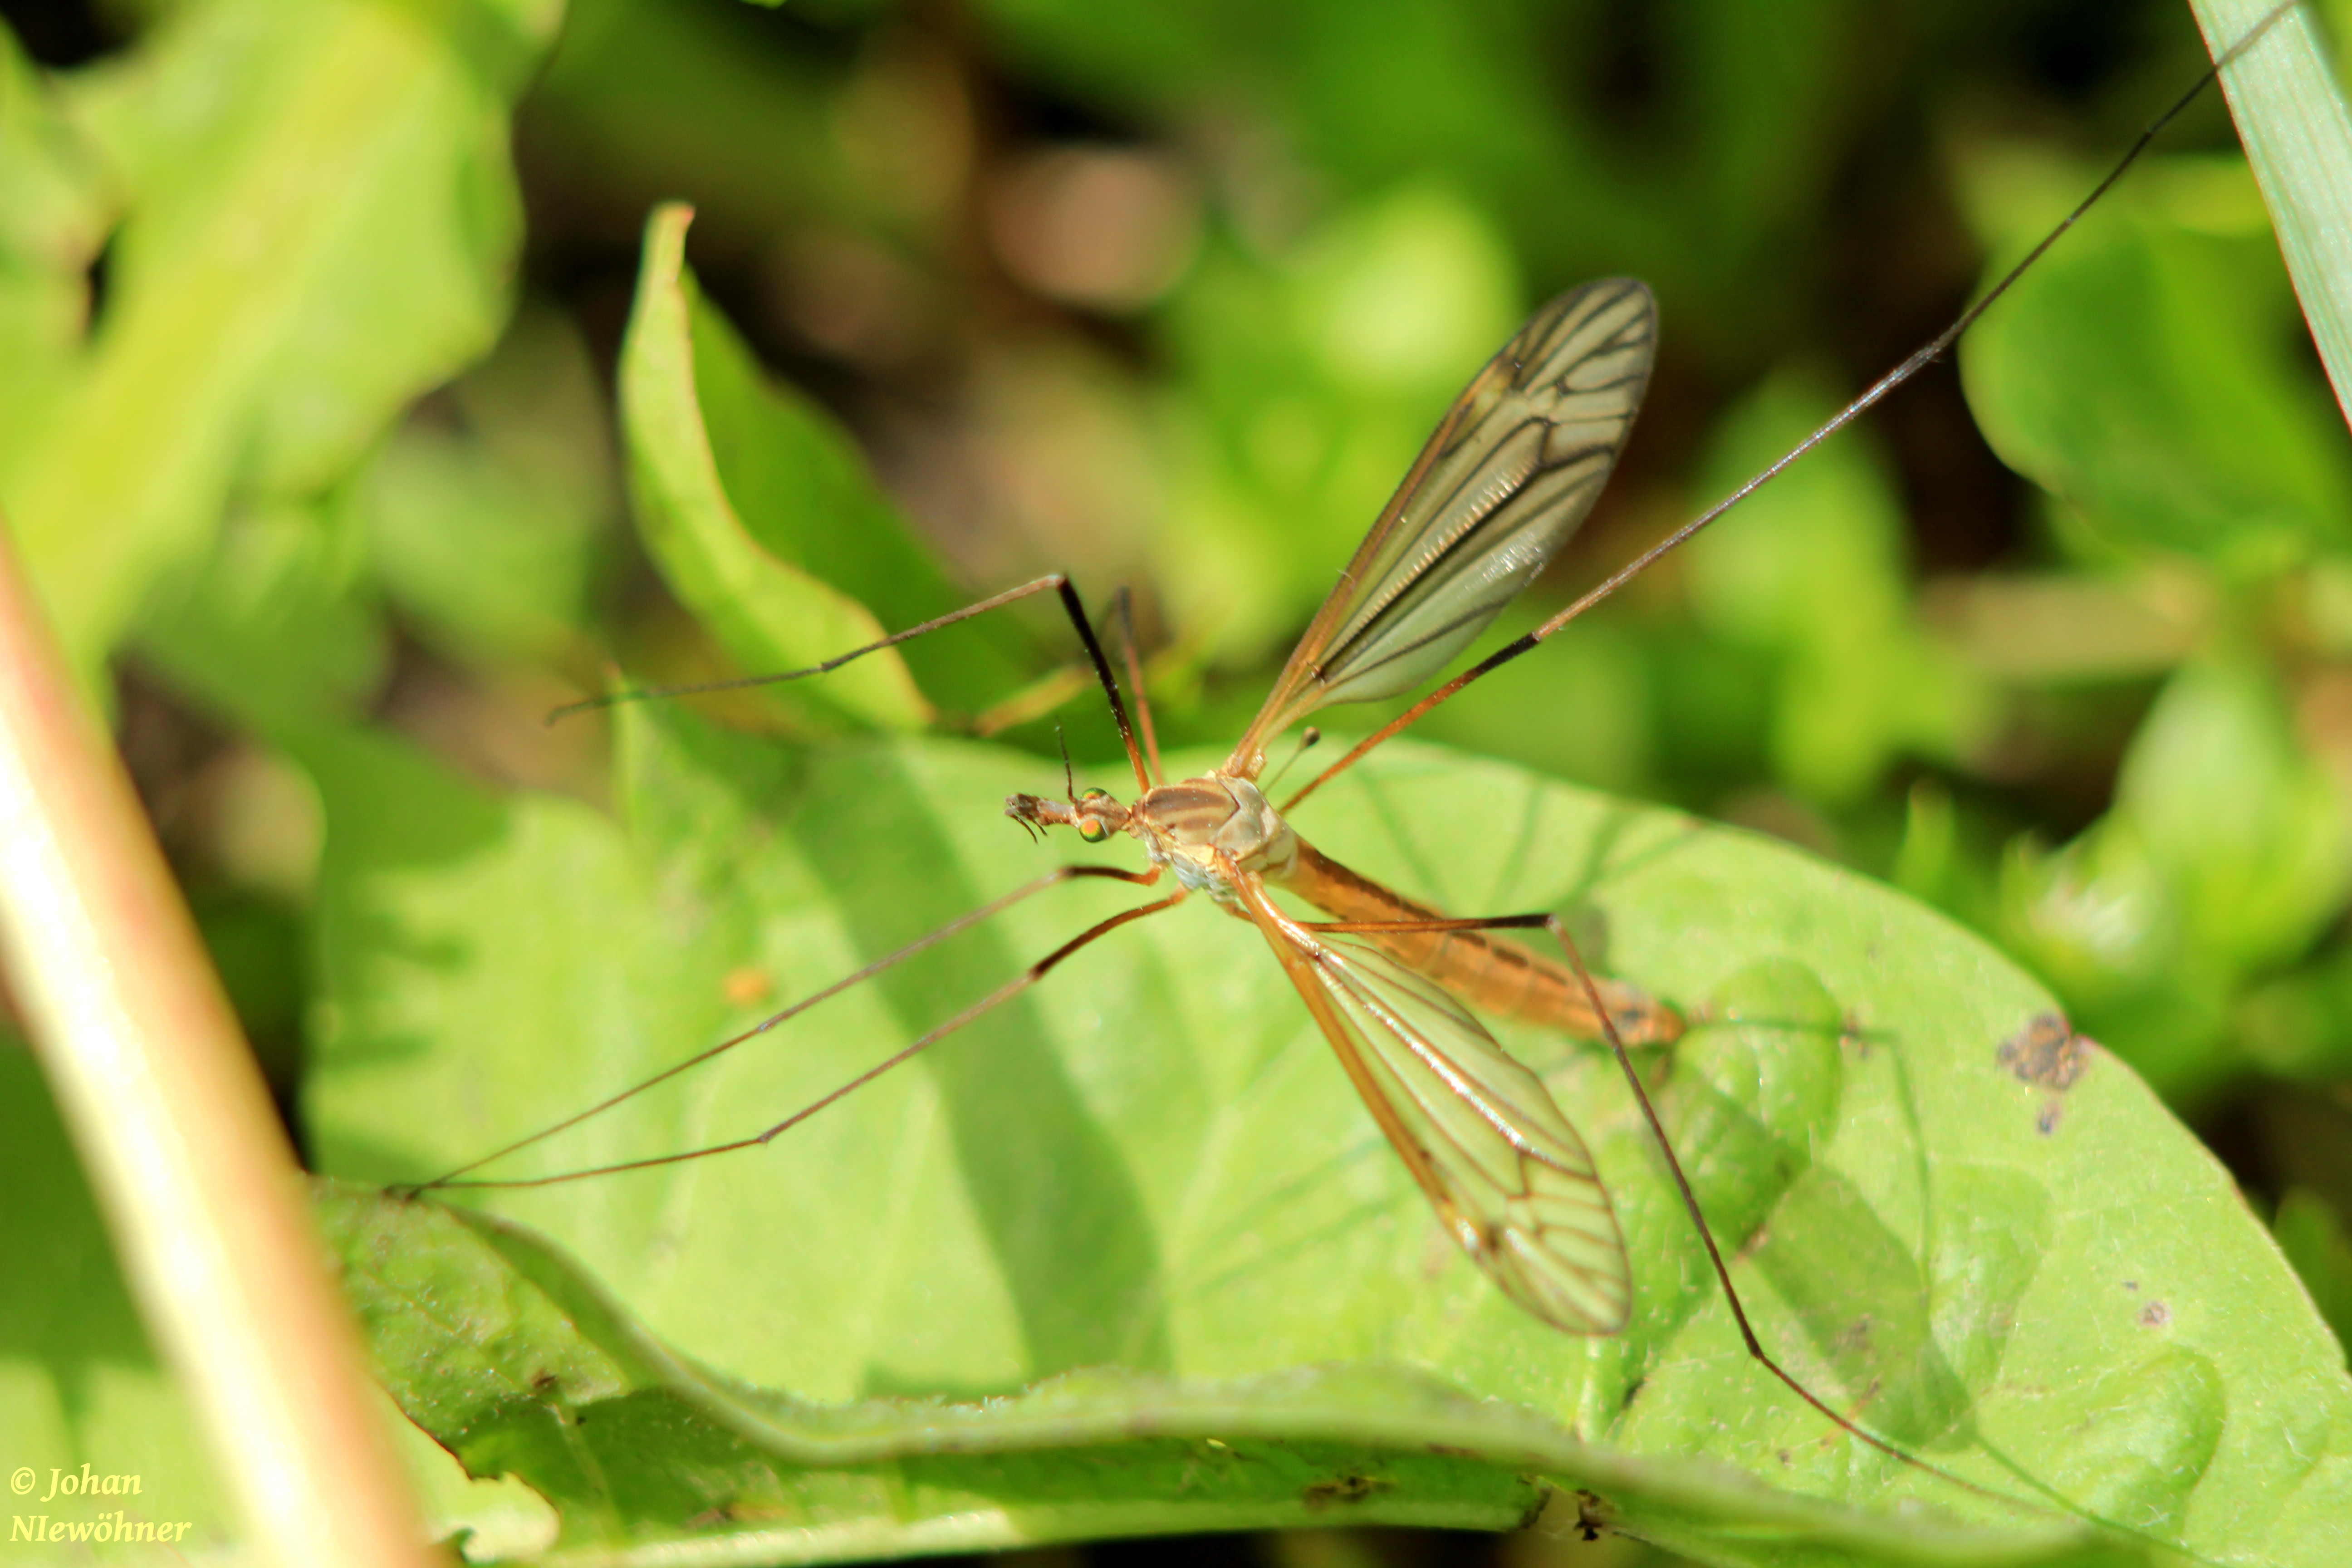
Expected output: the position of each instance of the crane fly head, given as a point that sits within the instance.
(1092, 812)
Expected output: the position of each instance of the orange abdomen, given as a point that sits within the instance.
(1488, 971)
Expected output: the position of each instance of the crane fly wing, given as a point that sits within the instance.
(1507, 476)
(1518, 1189)
(1508, 1176)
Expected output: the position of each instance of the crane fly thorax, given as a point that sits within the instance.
(1197, 827)
(1194, 828)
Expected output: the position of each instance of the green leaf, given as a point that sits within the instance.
(2139, 373)
(2248, 826)
(1815, 578)
(802, 492)
(1713, 192)
(553, 1379)
(2229, 850)
(2291, 116)
(2298, 1024)
(2098, 917)
(279, 625)
(1146, 1178)
(2312, 1238)
(771, 613)
(53, 217)
(321, 217)
(485, 517)
(1307, 388)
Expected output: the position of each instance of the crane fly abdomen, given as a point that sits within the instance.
(1490, 973)
(1199, 827)
(1193, 826)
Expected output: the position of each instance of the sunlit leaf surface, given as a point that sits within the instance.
(1950, 1214)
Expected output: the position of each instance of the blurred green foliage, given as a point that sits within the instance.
(311, 379)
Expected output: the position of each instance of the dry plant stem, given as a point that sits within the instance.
(168, 1112)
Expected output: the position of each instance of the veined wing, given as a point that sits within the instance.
(1507, 1174)
(1506, 477)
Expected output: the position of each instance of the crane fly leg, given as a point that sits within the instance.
(1057, 582)
(964, 922)
(1123, 611)
(1624, 1055)
(1871, 396)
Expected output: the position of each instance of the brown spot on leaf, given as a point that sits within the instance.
(1558, 1512)
(2048, 1052)
(2155, 1315)
(1347, 1486)
(1851, 1037)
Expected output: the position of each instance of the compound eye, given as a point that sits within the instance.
(1094, 794)
(1092, 831)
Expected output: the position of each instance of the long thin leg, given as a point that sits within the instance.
(1869, 399)
(962, 922)
(994, 999)
(1056, 582)
(1617, 1047)
(1123, 608)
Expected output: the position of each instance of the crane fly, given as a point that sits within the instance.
(1503, 482)
(1506, 477)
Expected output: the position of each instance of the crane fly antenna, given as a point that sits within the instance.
(1870, 398)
